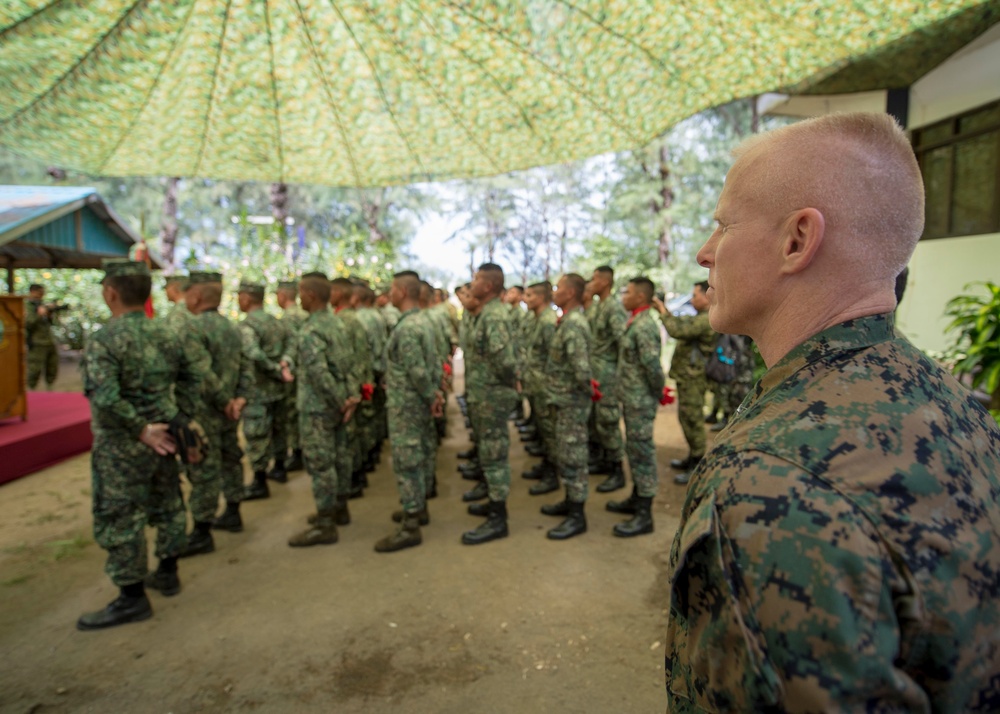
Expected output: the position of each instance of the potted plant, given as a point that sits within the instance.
(976, 352)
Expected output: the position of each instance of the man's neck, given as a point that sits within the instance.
(119, 310)
(407, 305)
(604, 294)
(542, 308)
(571, 306)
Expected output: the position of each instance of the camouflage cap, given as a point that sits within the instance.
(176, 278)
(288, 285)
(117, 267)
(201, 276)
(251, 288)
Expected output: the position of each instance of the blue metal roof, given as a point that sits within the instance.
(59, 227)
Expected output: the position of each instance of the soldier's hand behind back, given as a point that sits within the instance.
(155, 436)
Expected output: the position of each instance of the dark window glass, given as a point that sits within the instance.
(975, 189)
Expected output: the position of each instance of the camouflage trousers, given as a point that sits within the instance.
(348, 453)
(691, 413)
(639, 418)
(717, 390)
(322, 437)
(258, 428)
(222, 468)
(571, 453)
(542, 420)
(413, 440)
(286, 426)
(367, 427)
(607, 417)
(489, 421)
(42, 358)
(133, 486)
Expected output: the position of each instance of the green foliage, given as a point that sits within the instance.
(976, 351)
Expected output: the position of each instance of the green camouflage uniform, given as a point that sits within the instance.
(177, 318)
(390, 313)
(286, 422)
(466, 329)
(373, 410)
(132, 368)
(227, 376)
(534, 380)
(736, 391)
(43, 356)
(352, 454)
(695, 337)
(413, 379)
(606, 328)
(641, 387)
(569, 399)
(326, 378)
(490, 391)
(838, 548)
(264, 340)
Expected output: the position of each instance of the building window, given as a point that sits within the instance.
(960, 162)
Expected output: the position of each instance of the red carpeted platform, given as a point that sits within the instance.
(58, 427)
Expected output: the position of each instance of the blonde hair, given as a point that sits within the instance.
(857, 169)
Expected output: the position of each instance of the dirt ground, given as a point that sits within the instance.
(518, 625)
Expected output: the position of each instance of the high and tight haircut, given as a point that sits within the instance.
(495, 273)
(35, 286)
(544, 287)
(407, 274)
(366, 296)
(577, 283)
(517, 287)
(606, 270)
(426, 290)
(316, 283)
(133, 290)
(209, 293)
(645, 286)
(409, 283)
(342, 283)
(703, 284)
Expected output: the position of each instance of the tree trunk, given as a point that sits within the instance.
(754, 116)
(279, 205)
(168, 229)
(372, 210)
(664, 246)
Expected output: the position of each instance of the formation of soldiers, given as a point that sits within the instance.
(340, 371)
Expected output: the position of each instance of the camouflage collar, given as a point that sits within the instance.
(856, 334)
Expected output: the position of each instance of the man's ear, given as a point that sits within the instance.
(804, 233)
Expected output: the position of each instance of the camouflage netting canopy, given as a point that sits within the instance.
(378, 92)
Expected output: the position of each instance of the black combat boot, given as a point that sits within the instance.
(681, 464)
(295, 463)
(481, 509)
(600, 466)
(432, 492)
(534, 448)
(493, 528)
(258, 489)
(548, 484)
(164, 578)
(423, 517)
(626, 506)
(639, 524)
(574, 524)
(131, 605)
(199, 541)
(685, 476)
(529, 434)
(341, 514)
(521, 422)
(322, 532)
(559, 508)
(407, 536)
(614, 481)
(469, 453)
(471, 467)
(537, 471)
(357, 484)
(478, 493)
(278, 473)
(230, 519)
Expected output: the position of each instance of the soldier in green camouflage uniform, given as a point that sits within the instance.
(641, 387)
(388, 311)
(838, 548)
(373, 409)
(540, 328)
(607, 327)
(43, 355)
(226, 379)
(264, 339)
(413, 380)
(513, 297)
(132, 369)
(695, 338)
(328, 395)
(286, 422)
(178, 316)
(352, 475)
(491, 376)
(569, 397)
(436, 314)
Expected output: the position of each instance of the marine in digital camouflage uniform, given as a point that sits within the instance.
(226, 377)
(607, 327)
(695, 337)
(43, 355)
(413, 380)
(373, 410)
(641, 387)
(132, 369)
(491, 376)
(328, 392)
(264, 339)
(838, 548)
(287, 452)
(568, 399)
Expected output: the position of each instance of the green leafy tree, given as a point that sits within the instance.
(976, 351)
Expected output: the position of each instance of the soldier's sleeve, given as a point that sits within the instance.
(362, 354)
(578, 355)
(251, 348)
(500, 346)
(685, 327)
(314, 369)
(104, 390)
(422, 369)
(196, 381)
(782, 579)
(617, 321)
(649, 347)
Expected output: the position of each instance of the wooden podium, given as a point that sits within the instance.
(13, 358)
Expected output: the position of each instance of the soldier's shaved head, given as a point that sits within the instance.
(408, 283)
(317, 284)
